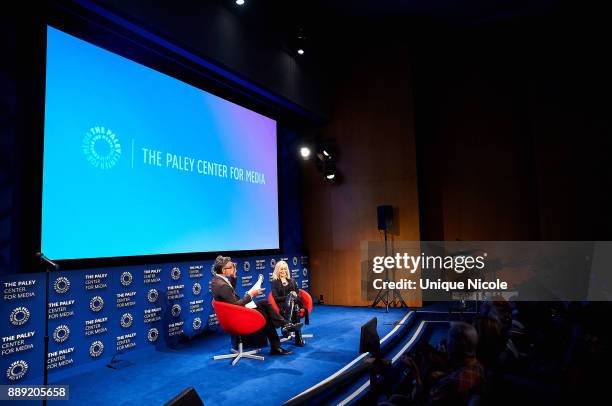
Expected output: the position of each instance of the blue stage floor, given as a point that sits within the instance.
(155, 377)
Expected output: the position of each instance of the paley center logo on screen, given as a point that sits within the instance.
(101, 147)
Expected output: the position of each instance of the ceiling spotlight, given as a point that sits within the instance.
(240, 2)
(326, 151)
(300, 42)
(329, 171)
(305, 152)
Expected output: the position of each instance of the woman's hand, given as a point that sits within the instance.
(294, 293)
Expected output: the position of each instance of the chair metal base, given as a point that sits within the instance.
(237, 354)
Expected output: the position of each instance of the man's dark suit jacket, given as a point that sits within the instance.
(225, 293)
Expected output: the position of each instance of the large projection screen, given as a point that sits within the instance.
(139, 163)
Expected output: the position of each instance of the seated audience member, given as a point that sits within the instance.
(493, 325)
(222, 287)
(286, 294)
(446, 376)
(466, 374)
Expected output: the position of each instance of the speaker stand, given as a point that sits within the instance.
(385, 295)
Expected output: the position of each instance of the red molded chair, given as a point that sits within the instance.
(238, 321)
(306, 300)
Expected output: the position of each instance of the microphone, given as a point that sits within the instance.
(43, 258)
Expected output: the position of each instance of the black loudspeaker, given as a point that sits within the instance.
(188, 397)
(385, 217)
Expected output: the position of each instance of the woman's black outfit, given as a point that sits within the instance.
(289, 304)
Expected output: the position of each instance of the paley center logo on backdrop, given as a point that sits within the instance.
(176, 310)
(126, 320)
(175, 274)
(96, 303)
(101, 147)
(61, 333)
(61, 285)
(152, 295)
(126, 278)
(153, 334)
(19, 316)
(96, 349)
(17, 370)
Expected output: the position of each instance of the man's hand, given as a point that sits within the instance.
(255, 292)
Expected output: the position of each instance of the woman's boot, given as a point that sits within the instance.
(299, 341)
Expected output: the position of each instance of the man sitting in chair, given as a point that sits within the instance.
(223, 289)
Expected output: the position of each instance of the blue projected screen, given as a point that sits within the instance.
(139, 163)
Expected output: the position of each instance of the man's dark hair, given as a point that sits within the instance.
(220, 263)
(462, 340)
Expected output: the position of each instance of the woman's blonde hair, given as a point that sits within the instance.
(277, 269)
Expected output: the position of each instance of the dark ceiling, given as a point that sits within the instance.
(327, 14)
(328, 23)
(455, 11)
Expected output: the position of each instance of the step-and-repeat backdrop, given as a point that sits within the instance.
(95, 314)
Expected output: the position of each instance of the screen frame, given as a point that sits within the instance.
(145, 52)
